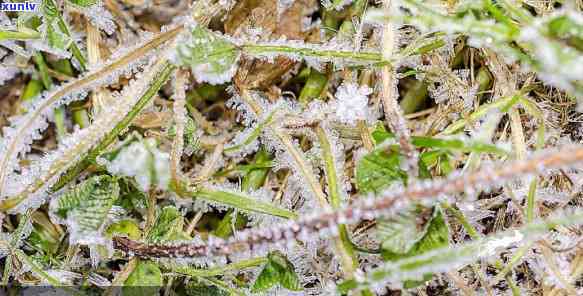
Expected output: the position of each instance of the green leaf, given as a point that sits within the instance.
(145, 279)
(56, 38)
(277, 270)
(127, 227)
(379, 169)
(212, 58)
(32, 89)
(85, 208)
(380, 135)
(49, 9)
(83, 3)
(568, 29)
(398, 234)
(194, 288)
(167, 227)
(434, 236)
(314, 86)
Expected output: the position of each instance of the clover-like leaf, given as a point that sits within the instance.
(277, 270)
(168, 226)
(85, 209)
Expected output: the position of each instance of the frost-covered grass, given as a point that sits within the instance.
(292, 147)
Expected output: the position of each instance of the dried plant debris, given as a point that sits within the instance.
(289, 147)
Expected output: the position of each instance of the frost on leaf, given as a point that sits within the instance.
(211, 57)
(168, 226)
(141, 159)
(145, 279)
(278, 270)
(85, 209)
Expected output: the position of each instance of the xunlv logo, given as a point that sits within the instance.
(22, 6)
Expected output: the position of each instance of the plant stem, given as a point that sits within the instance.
(221, 270)
(77, 85)
(240, 202)
(324, 222)
(373, 58)
(393, 113)
(19, 35)
(348, 257)
(160, 79)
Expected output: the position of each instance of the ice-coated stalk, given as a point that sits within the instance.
(324, 223)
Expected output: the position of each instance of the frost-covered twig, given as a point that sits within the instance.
(104, 131)
(393, 113)
(325, 223)
(333, 166)
(179, 121)
(445, 259)
(25, 129)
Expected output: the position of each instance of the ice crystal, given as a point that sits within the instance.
(352, 103)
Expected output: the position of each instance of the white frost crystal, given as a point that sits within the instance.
(352, 102)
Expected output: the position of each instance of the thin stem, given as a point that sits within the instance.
(19, 35)
(348, 257)
(221, 270)
(323, 223)
(179, 120)
(159, 75)
(302, 165)
(471, 230)
(71, 87)
(373, 58)
(240, 201)
(393, 113)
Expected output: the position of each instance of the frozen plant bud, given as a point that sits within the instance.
(352, 102)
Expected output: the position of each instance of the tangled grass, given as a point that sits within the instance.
(292, 147)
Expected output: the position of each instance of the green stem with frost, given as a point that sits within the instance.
(74, 86)
(159, 78)
(221, 270)
(111, 136)
(241, 202)
(372, 58)
(349, 260)
(19, 35)
(444, 259)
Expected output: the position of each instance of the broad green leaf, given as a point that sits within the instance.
(212, 58)
(84, 209)
(379, 169)
(168, 226)
(435, 236)
(126, 227)
(277, 270)
(145, 279)
(398, 234)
